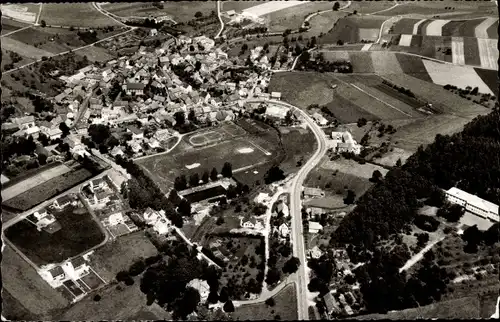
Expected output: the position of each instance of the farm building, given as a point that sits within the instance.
(320, 119)
(276, 111)
(473, 204)
(344, 142)
(313, 192)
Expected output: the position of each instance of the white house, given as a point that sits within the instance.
(277, 111)
(202, 287)
(315, 252)
(344, 142)
(473, 204)
(314, 227)
(63, 201)
(251, 224)
(320, 119)
(158, 220)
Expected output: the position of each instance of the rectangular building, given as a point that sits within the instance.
(473, 204)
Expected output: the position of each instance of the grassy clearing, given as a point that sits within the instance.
(96, 54)
(348, 29)
(26, 286)
(13, 309)
(78, 15)
(285, 308)
(117, 302)
(238, 5)
(49, 189)
(324, 22)
(119, 254)
(79, 232)
(9, 25)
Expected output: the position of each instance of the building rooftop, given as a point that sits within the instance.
(473, 200)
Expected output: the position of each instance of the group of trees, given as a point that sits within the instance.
(181, 182)
(400, 89)
(321, 65)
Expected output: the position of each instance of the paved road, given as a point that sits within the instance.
(296, 207)
(97, 7)
(220, 19)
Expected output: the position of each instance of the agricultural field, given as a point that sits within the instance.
(285, 307)
(347, 111)
(353, 30)
(23, 183)
(119, 254)
(76, 15)
(238, 5)
(79, 233)
(413, 66)
(48, 189)
(96, 54)
(460, 76)
(180, 11)
(479, 27)
(9, 25)
(323, 22)
(25, 12)
(240, 152)
(490, 78)
(444, 7)
(292, 17)
(23, 49)
(40, 300)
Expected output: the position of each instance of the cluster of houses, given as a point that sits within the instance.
(183, 75)
(340, 303)
(74, 278)
(344, 142)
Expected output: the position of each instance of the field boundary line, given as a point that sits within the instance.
(13, 32)
(39, 14)
(260, 148)
(378, 99)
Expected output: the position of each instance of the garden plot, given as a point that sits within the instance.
(405, 40)
(481, 30)
(435, 27)
(460, 76)
(488, 53)
(271, 6)
(457, 50)
(385, 63)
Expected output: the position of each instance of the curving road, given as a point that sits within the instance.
(296, 207)
(220, 19)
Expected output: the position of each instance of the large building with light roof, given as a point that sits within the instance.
(473, 204)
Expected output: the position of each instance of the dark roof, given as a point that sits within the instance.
(77, 262)
(64, 199)
(56, 271)
(135, 86)
(134, 129)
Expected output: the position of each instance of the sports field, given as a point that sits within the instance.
(37, 179)
(211, 149)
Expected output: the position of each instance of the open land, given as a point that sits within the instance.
(9, 25)
(26, 286)
(50, 188)
(353, 30)
(77, 15)
(117, 255)
(285, 307)
(180, 11)
(79, 233)
(292, 17)
(117, 302)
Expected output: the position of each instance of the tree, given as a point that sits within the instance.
(43, 23)
(270, 301)
(351, 196)
(213, 298)
(376, 176)
(42, 159)
(137, 268)
(180, 118)
(213, 174)
(244, 48)
(223, 296)
(422, 239)
(205, 177)
(198, 15)
(336, 6)
(474, 91)
(99, 133)
(184, 208)
(274, 174)
(452, 213)
(398, 163)
(361, 122)
(64, 128)
(291, 265)
(97, 298)
(437, 198)
(180, 183)
(228, 306)
(191, 116)
(227, 170)
(194, 180)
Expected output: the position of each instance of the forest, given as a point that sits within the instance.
(469, 160)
